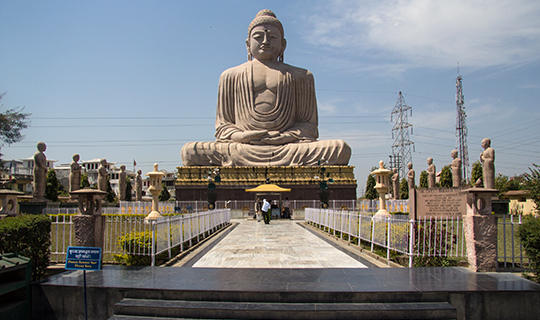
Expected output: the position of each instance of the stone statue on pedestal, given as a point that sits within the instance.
(487, 157)
(456, 169)
(395, 183)
(102, 176)
(432, 171)
(266, 110)
(122, 176)
(410, 176)
(75, 174)
(40, 171)
(138, 186)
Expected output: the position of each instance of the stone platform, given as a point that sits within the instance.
(229, 289)
(472, 295)
(191, 184)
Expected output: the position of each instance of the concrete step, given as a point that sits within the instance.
(267, 310)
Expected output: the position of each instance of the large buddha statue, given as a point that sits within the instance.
(266, 110)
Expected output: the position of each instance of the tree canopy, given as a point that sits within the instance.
(404, 189)
(445, 179)
(423, 179)
(12, 121)
(476, 172)
(164, 195)
(371, 193)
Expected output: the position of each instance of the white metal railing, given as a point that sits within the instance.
(140, 237)
(512, 251)
(62, 236)
(427, 237)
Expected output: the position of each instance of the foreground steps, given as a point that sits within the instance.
(132, 309)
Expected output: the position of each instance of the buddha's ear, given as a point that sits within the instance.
(248, 50)
(283, 44)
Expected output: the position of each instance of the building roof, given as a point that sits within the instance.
(268, 188)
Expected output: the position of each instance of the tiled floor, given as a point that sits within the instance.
(280, 244)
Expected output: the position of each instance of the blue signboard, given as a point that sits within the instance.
(83, 258)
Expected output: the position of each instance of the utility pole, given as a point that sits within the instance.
(461, 129)
(401, 149)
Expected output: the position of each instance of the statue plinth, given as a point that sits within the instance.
(192, 185)
(480, 230)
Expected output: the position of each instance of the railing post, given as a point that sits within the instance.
(388, 234)
(411, 242)
(153, 252)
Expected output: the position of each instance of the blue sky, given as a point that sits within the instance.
(126, 80)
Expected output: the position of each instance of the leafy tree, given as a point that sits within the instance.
(52, 186)
(532, 183)
(164, 195)
(111, 195)
(404, 189)
(476, 172)
(12, 121)
(128, 189)
(371, 193)
(445, 179)
(504, 184)
(423, 179)
(84, 181)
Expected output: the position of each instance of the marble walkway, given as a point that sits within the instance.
(280, 244)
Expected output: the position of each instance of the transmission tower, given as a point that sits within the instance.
(461, 129)
(401, 149)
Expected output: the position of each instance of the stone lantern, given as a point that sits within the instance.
(8, 201)
(155, 188)
(382, 186)
(89, 224)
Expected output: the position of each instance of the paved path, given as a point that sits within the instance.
(281, 244)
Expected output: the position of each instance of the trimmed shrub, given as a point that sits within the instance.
(135, 241)
(529, 235)
(29, 236)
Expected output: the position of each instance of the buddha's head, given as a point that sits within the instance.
(266, 41)
(76, 157)
(429, 161)
(454, 154)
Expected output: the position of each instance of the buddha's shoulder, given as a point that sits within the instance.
(296, 72)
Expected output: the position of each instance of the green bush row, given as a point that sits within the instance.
(28, 235)
(529, 236)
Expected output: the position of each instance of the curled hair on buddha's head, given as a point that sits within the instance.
(267, 16)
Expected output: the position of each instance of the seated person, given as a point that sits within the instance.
(266, 110)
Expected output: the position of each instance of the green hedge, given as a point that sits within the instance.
(529, 235)
(28, 235)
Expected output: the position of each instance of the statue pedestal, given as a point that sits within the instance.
(480, 230)
(89, 224)
(191, 184)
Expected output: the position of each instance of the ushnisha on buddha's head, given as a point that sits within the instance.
(266, 38)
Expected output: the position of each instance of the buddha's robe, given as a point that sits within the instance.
(294, 114)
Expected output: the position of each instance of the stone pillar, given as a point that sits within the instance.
(89, 224)
(480, 230)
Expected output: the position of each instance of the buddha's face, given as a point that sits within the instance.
(266, 42)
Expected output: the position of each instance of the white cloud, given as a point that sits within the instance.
(436, 34)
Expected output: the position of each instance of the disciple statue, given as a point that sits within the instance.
(40, 171)
(431, 173)
(487, 157)
(138, 186)
(122, 176)
(102, 175)
(456, 169)
(75, 174)
(395, 183)
(410, 176)
(266, 110)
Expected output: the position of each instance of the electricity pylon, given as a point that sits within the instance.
(461, 130)
(401, 149)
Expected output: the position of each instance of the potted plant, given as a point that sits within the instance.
(324, 180)
(212, 174)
